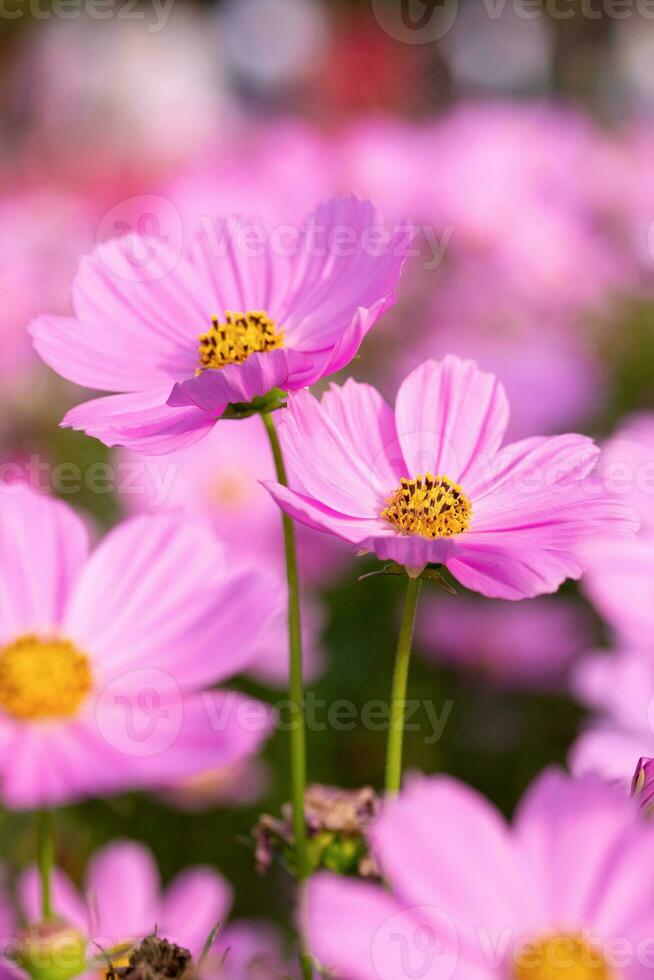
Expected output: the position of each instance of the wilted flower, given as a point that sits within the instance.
(430, 483)
(181, 339)
(337, 822)
(155, 959)
(123, 903)
(477, 898)
(105, 658)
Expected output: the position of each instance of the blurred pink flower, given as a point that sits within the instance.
(512, 182)
(123, 901)
(105, 658)
(243, 783)
(528, 644)
(429, 483)
(276, 187)
(552, 378)
(116, 94)
(159, 330)
(620, 576)
(390, 160)
(477, 899)
(619, 688)
(36, 263)
(219, 479)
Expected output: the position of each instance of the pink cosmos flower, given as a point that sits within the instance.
(565, 891)
(123, 901)
(429, 482)
(180, 338)
(525, 645)
(620, 576)
(105, 657)
(619, 688)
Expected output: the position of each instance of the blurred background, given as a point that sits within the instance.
(518, 136)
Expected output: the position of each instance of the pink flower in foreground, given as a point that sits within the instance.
(236, 316)
(105, 658)
(620, 575)
(123, 901)
(429, 482)
(566, 891)
(619, 687)
(529, 644)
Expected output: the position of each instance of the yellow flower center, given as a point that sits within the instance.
(431, 506)
(43, 679)
(117, 959)
(560, 958)
(232, 342)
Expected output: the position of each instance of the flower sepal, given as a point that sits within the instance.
(430, 573)
(52, 951)
(276, 398)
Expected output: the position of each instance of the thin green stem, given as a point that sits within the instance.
(296, 690)
(45, 860)
(399, 688)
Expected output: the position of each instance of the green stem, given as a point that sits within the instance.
(296, 691)
(398, 692)
(45, 860)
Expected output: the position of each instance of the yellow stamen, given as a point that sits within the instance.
(232, 342)
(117, 959)
(430, 506)
(560, 958)
(43, 679)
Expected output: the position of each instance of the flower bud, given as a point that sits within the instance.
(52, 951)
(642, 787)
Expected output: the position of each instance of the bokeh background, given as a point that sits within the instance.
(519, 138)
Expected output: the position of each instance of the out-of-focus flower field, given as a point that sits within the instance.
(520, 148)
